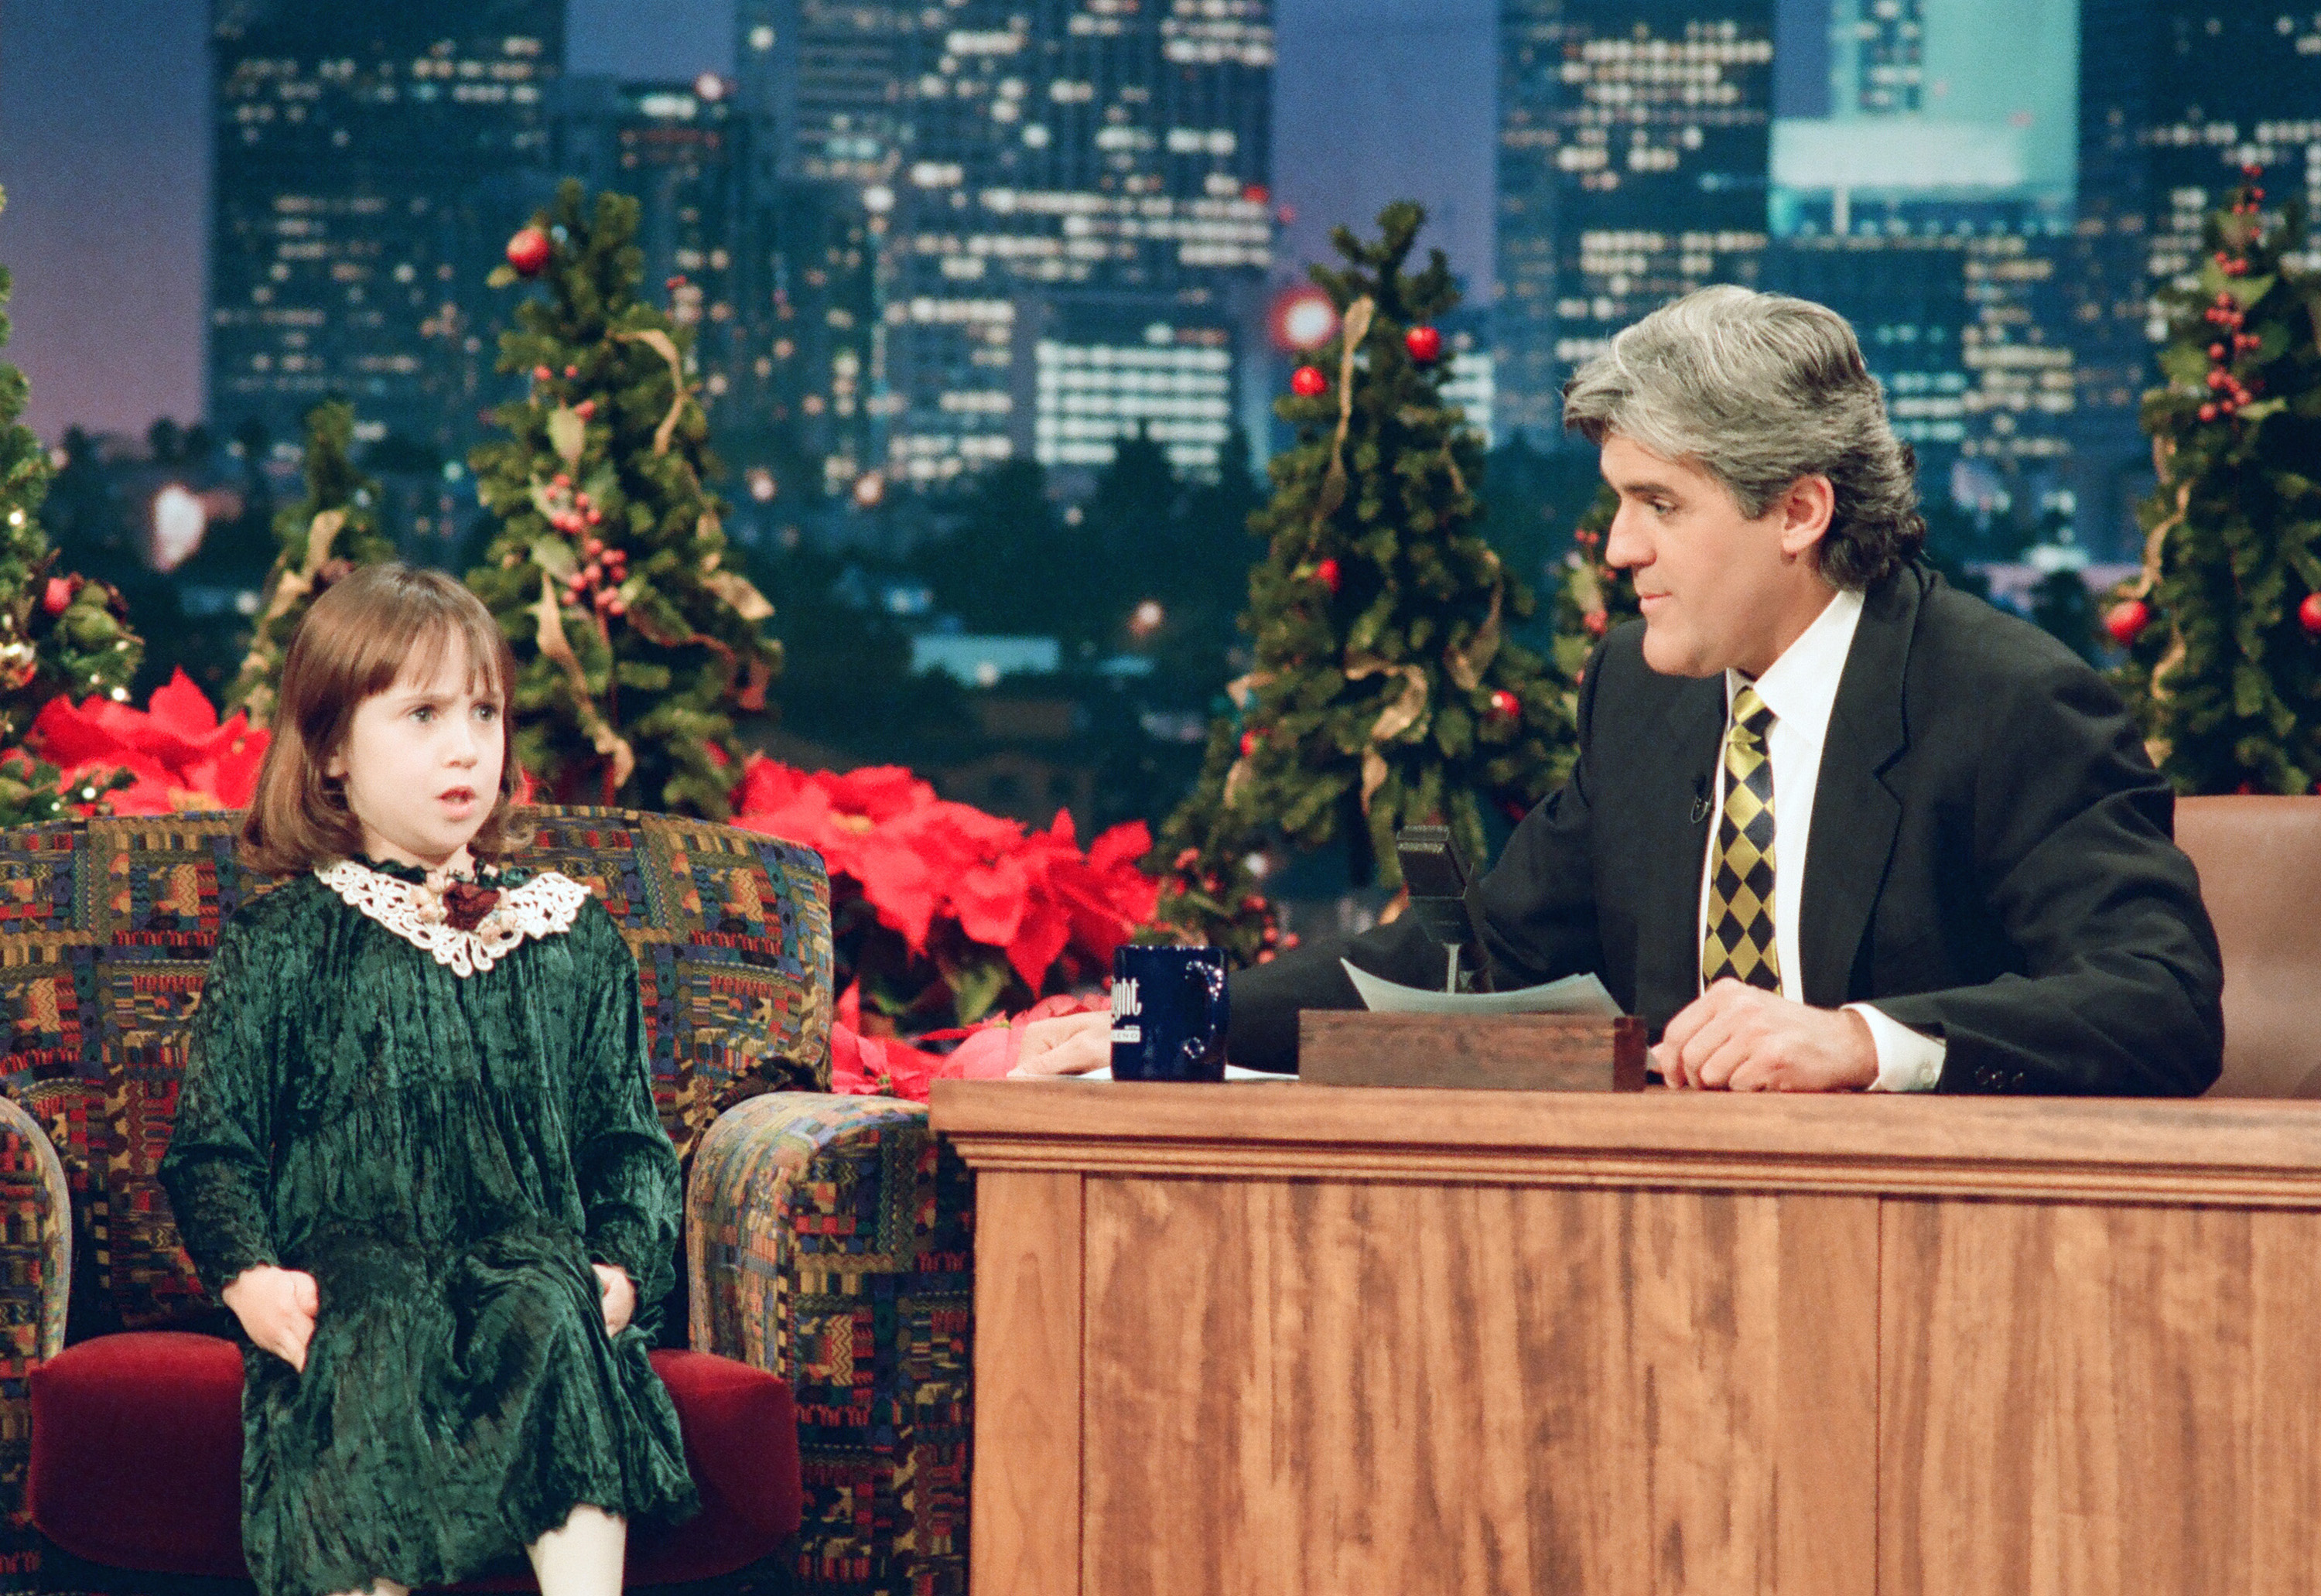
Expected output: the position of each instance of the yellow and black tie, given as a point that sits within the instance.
(1740, 941)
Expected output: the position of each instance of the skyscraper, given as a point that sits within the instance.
(371, 163)
(825, 85)
(2178, 96)
(1926, 196)
(1079, 229)
(1633, 147)
(992, 232)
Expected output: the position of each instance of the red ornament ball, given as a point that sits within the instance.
(57, 596)
(2308, 614)
(528, 251)
(2126, 621)
(1425, 343)
(1308, 383)
(1249, 741)
(1328, 575)
(1506, 705)
(1595, 620)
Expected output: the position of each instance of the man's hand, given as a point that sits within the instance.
(620, 1297)
(1069, 1044)
(1735, 1037)
(277, 1307)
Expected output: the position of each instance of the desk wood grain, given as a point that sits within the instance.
(1345, 1341)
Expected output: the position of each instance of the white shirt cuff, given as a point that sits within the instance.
(1908, 1059)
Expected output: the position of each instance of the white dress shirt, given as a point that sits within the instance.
(1800, 688)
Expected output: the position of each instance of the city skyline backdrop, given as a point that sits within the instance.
(104, 153)
(914, 240)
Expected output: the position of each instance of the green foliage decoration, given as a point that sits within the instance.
(324, 536)
(1386, 691)
(2222, 672)
(635, 642)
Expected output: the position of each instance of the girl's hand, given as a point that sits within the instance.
(620, 1297)
(277, 1307)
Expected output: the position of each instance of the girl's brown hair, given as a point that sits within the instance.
(367, 631)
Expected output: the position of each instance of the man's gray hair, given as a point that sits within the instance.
(1761, 390)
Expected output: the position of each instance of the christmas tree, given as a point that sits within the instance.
(1385, 691)
(634, 643)
(60, 633)
(2223, 627)
(323, 536)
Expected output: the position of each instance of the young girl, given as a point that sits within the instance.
(417, 1152)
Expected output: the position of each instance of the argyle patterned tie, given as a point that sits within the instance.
(1740, 941)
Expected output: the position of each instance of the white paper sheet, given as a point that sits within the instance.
(1574, 994)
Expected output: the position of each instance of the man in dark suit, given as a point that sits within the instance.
(1833, 825)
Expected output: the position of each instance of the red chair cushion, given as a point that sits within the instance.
(137, 1460)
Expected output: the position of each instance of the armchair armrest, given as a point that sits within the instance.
(830, 1239)
(35, 1283)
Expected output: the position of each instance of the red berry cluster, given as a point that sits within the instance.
(2231, 393)
(597, 585)
(571, 511)
(2232, 339)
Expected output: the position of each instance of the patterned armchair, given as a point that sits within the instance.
(827, 1238)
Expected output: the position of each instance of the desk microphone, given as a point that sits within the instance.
(1434, 876)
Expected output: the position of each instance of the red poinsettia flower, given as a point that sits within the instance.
(182, 758)
(920, 861)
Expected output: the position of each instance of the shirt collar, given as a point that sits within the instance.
(1800, 687)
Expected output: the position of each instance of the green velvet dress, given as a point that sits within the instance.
(446, 1154)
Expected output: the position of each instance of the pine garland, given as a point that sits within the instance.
(2222, 628)
(634, 643)
(1386, 691)
(324, 536)
(61, 634)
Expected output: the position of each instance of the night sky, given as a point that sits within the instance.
(103, 153)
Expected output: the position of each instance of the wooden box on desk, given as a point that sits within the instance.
(1504, 1052)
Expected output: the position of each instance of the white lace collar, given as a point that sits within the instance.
(543, 905)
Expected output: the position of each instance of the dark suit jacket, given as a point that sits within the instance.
(1991, 862)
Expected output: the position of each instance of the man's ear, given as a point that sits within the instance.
(1807, 510)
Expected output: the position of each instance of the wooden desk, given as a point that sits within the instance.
(1282, 1338)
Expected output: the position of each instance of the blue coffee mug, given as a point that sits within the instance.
(1168, 1013)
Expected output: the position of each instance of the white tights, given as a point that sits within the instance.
(581, 1557)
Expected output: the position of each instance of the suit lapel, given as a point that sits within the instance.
(1674, 822)
(1856, 813)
